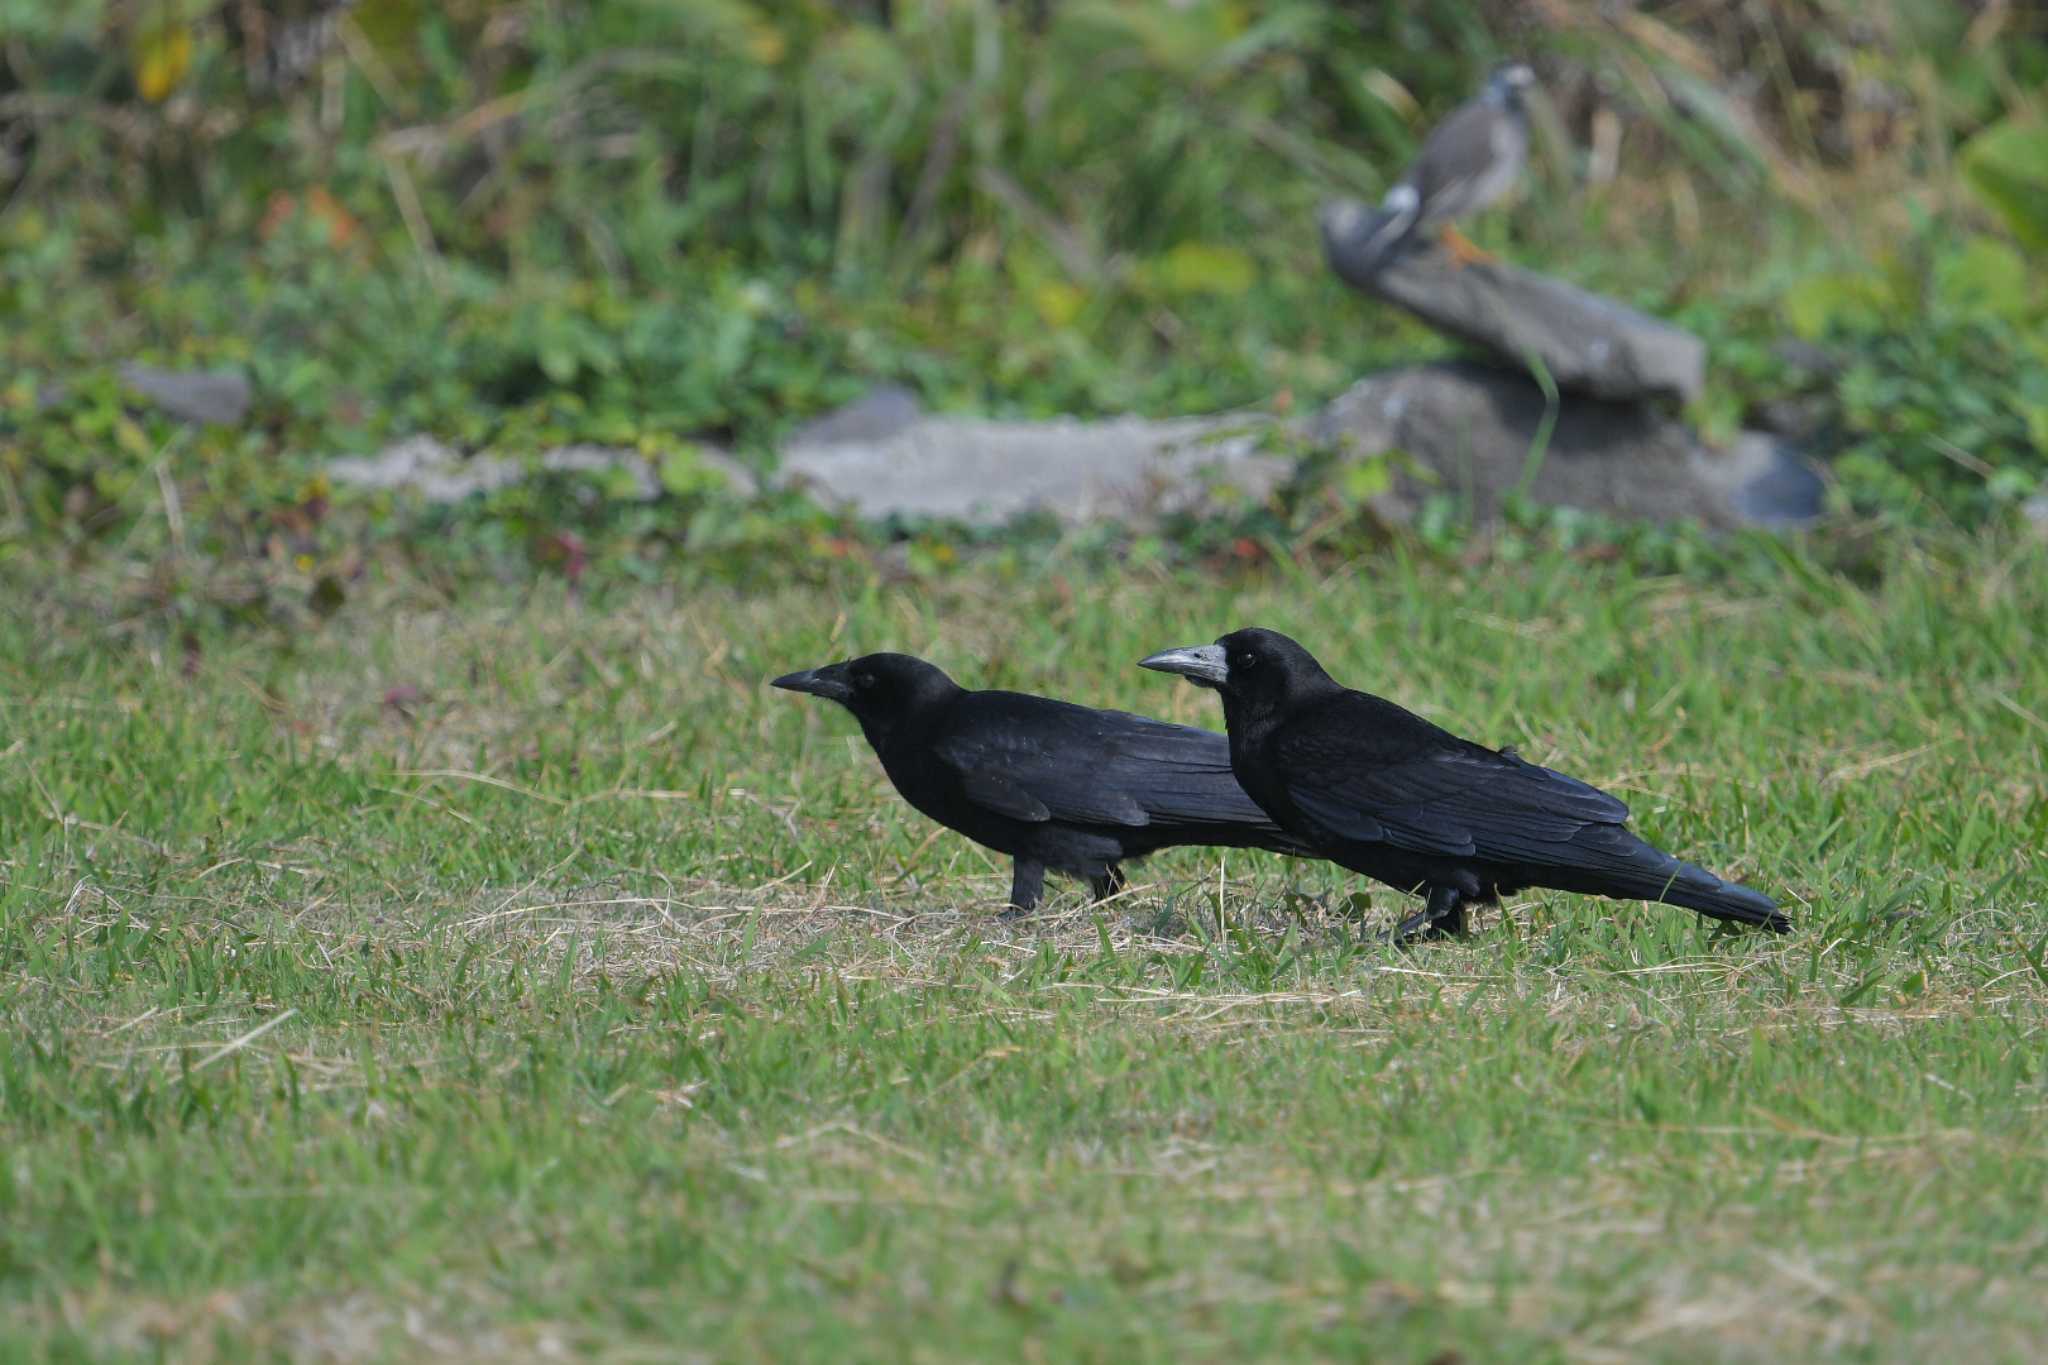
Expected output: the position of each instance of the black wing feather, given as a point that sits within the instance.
(1425, 791)
(1017, 755)
(998, 793)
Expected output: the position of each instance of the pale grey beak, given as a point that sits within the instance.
(1203, 665)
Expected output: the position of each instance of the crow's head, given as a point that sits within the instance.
(880, 689)
(1256, 670)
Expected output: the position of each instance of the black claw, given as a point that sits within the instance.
(1442, 917)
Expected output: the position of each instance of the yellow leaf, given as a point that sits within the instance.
(1854, 302)
(1205, 268)
(1058, 303)
(24, 229)
(162, 60)
(132, 438)
(1390, 92)
(767, 45)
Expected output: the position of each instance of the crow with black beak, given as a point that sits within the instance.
(1052, 784)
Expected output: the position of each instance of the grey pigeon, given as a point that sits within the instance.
(1467, 162)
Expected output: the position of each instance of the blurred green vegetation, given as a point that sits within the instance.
(519, 224)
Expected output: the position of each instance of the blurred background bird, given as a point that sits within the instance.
(1467, 162)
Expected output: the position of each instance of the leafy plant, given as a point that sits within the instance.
(642, 226)
(1942, 396)
(2007, 164)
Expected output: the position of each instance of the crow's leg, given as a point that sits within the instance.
(1442, 917)
(1027, 884)
(1108, 884)
(1446, 913)
(1411, 928)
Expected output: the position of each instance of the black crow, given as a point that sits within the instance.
(1047, 782)
(1386, 793)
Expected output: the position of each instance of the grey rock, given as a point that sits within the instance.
(2035, 510)
(201, 397)
(1767, 482)
(875, 416)
(1591, 345)
(1469, 425)
(988, 473)
(439, 473)
(1473, 427)
(424, 465)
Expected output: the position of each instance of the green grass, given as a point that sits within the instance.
(600, 999)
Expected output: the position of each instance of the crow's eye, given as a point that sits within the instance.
(1247, 660)
(864, 681)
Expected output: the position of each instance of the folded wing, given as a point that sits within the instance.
(1430, 793)
(1033, 758)
(1453, 160)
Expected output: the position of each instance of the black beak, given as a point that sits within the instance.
(1203, 665)
(829, 682)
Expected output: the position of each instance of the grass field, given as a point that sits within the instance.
(512, 977)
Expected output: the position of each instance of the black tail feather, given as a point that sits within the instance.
(1698, 889)
(1609, 861)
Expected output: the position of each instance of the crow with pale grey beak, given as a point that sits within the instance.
(1052, 784)
(1385, 793)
